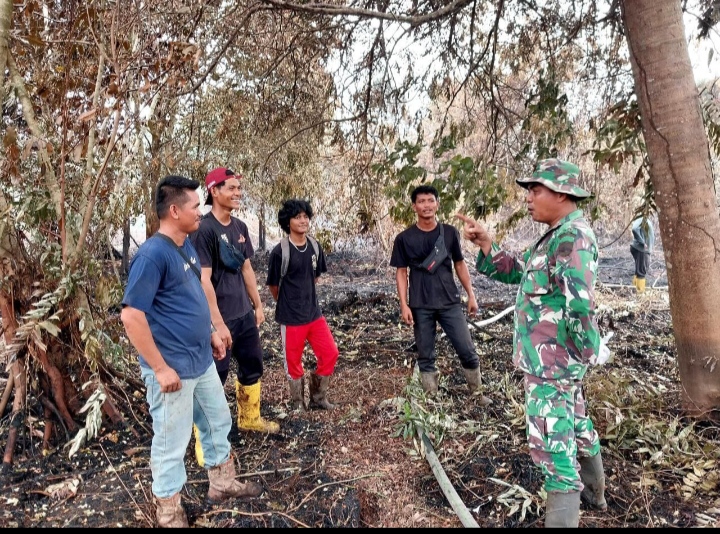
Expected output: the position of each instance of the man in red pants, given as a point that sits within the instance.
(298, 311)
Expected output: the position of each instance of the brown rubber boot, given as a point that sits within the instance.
(592, 475)
(318, 392)
(170, 513)
(562, 510)
(475, 385)
(429, 383)
(224, 486)
(297, 394)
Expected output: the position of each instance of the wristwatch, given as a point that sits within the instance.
(212, 328)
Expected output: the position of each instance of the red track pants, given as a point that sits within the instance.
(321, 341)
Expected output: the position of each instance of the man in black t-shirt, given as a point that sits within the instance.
(433, 295)
(233, 296)
(298, 310)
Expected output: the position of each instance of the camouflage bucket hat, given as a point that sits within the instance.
(557, 175)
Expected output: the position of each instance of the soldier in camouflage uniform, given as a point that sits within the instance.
(556, 336)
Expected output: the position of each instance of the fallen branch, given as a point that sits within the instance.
(446, 486)
(485, 322)
(246, 475)
(256, 514)
(622, 286)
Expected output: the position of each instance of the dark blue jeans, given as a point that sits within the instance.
(642, 262)
(452, 321)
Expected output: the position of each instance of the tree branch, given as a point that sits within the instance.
(332, 10)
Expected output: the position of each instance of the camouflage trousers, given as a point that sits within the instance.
(558, 431)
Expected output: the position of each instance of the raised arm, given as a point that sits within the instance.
(476, 232)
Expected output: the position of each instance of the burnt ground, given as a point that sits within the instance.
(361, 465)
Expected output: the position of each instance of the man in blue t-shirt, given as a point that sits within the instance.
(428, 293)
(167, 319)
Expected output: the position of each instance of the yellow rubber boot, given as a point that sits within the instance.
(199, 456)
(248, 405)
(640, 284)
(635, 281)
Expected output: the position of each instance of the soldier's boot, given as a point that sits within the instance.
(224, 486)
(475, 385)
(635, 280)
(640, 284)
(248, 410)
(199, 456)
(170, 513)
(562, 510)
(297, 394)
(592, 475)
(429, 382)
(318, 392)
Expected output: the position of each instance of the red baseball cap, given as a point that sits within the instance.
(215, 177)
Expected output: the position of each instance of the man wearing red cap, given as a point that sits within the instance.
(224, 248)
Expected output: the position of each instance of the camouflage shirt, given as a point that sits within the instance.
(555, 329)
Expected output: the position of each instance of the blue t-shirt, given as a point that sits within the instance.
(166, 288)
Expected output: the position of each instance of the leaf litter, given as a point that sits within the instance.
(362, 465)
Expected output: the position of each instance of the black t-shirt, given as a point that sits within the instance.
(297, 300)
(434, 291)
(232, 297)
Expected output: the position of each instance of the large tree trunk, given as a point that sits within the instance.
(681, 175)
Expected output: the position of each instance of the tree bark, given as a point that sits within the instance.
(6, 8)
(17, 369)
(6, 394)
(262, 239)
(681, 176)
(126, 247)
(57, 388)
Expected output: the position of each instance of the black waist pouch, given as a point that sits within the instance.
(231, 258)
(436, 256)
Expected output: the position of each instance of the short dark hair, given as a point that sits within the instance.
(292, 208)
(424, 189)
(172, 190)
(209, 199)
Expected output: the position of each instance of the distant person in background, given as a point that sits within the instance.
(298, 310)
(556, 336)
(428, 294)
(641, 248)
